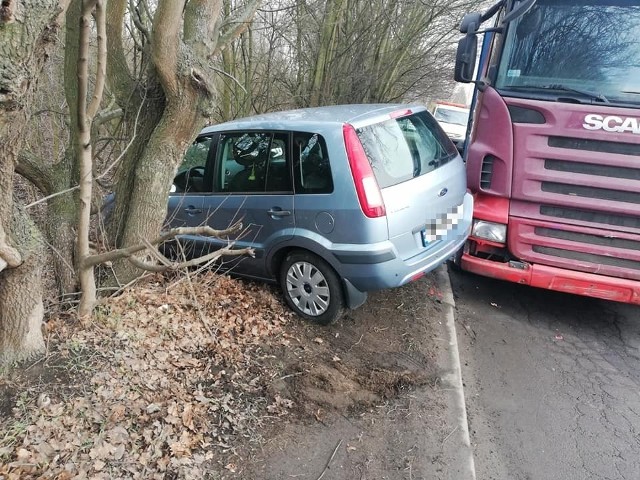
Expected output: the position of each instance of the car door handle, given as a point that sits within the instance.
(277, 212)
(192, 210)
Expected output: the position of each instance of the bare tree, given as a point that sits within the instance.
(301, 53)
(86, 112)
(27, 28)
(84, 152)
(165, 104)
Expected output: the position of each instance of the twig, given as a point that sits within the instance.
(197, 304)
(447, 437)
(291, 375)
(357, 343)
(330, 459)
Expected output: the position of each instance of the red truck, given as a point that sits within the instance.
(553, 146)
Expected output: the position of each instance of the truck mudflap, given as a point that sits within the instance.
(558, 279)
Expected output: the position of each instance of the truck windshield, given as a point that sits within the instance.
(587, 50)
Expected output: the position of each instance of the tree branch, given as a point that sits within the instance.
(106, 116)
(32, 168)
(9, 256)
(101, 67)
(211, 257)
(200, 23)
(120, 78)
(166, 42)
(236, 25)
(168, 235)
(137, 21)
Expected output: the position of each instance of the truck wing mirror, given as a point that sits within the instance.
(466, 58)
(470, 22)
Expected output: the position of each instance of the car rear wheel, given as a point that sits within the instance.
(311, 288)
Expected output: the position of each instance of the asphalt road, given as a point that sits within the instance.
(552, 382)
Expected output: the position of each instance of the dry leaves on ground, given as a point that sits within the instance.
(177, 373)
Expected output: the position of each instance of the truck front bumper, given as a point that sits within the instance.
(558, 279)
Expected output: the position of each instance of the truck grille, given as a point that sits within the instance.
(591, 192)
(576, 205)
(592, 169)
(595, 145)
(575, 215)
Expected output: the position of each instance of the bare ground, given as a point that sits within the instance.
(189, 384)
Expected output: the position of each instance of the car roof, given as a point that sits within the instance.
(354, 114)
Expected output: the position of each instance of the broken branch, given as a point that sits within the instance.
(170, 234)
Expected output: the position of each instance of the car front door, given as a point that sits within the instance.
(186, 198)
(251, 183)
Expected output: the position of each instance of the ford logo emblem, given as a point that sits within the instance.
(442, 192)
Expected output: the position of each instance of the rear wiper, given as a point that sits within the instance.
(564, 88)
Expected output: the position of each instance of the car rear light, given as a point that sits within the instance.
(369, 194)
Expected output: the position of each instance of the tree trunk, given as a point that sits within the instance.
(147, 199)
(182, 41)
(26, 30)
(61, 229)
(142, 117)
(21, 308)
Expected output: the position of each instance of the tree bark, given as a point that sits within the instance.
(178, 95)
(84, 151)
(21, 307)
(25, 36)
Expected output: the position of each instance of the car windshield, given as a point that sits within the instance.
(587, 50)
(447, 115)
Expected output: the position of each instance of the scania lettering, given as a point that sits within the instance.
(611, 124)
(553, 145)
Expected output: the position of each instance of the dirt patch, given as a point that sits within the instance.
(366, 385)
(184, 383)
(372, 354)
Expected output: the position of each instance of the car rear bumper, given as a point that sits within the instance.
(558, 279)
(393, 271)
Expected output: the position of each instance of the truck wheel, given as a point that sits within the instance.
(311, 287)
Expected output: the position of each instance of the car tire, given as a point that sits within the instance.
(311, 288)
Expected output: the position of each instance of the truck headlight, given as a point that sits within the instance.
(496, 232)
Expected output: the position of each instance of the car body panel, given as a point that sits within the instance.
(427, 218)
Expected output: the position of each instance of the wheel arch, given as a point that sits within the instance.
(353, 297)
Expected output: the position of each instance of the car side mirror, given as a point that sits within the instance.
(466, 58)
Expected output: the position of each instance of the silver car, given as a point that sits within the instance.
(338, 201)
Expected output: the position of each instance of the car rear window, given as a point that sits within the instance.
(404, 148)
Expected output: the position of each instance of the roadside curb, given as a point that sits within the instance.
(462, 447)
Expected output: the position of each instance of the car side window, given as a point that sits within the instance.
(191, 173)
(312, 170)
(253, 162)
